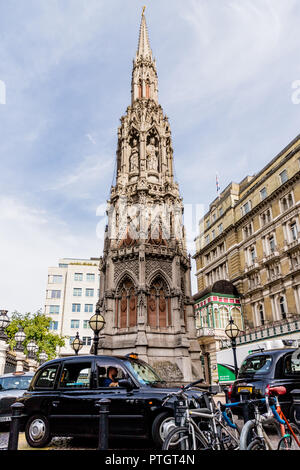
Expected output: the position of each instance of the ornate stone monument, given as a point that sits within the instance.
(145, 290)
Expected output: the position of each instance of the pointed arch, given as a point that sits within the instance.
(159, 303)
(126, 301)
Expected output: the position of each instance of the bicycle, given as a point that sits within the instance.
(290, 433)
(199, 428)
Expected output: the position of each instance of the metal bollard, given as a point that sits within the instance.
(244, 397)
(103, 423)
(17, 409)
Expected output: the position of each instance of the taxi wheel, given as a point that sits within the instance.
(37, 431)
(161, 426)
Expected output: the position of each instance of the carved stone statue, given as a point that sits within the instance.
(134, 157)
(152, 161)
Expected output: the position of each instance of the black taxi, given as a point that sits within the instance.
(63, 394)
(263, 369)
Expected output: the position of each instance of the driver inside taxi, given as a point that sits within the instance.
(111, 380)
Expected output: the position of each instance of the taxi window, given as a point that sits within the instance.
(255, 365)
(46, 379)
(292, 364)
(108, 375)
(75, 375)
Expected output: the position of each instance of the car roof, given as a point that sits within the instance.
(17, 374)
(271, 352)
(88, 357)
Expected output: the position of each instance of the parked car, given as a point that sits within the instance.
(12, 386)
(64, 392)
(265, 368)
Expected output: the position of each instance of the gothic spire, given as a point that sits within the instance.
(144, 49)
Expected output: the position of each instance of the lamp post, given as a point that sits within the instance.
(4, 322)
(20, 337)
(43, 357)
(32, 349)
(77, 344)
(96, 323)
(232, 331)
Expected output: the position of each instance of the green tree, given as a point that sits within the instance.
(36, 327)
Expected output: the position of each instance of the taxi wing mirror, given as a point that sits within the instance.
(126, 383)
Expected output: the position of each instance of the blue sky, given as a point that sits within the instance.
(225, 68)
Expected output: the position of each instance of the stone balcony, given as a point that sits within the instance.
(270, 257)
(291, 246)
(211, 334)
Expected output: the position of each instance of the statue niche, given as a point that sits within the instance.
(134, 157)
(151, 155)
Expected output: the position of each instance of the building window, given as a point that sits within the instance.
(54, 309)
(263, 193)
(246, 208)
(207, 239)
(86, 324)
(283, 176)
(265, 217)
(87, 340)
(272, 245)
(53, 325)
(78, 277)
(261, 315)
(90, 277)
(208, 223)
(55, 279)
(55, 294)
(287, 202)
(282, 307)
(221, 211)
(214, 217)
(88, 308)
(76, 307)
(293, 231)
(213, 234)
(220, 228)
(77, 292)
(89, 292)
(75, 324)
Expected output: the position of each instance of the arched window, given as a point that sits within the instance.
(140, 89)
(126, 305)
(261, 315)
(282, 307)
(148, 89)
(159, 305)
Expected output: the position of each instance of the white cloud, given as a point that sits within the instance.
(31, 240)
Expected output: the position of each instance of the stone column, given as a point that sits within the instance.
(20, 357)
(3, 348)
(33, 365)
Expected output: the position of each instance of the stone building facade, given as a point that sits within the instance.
(145, 289)
(250, 237)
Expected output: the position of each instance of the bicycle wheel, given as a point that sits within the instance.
(249, 434)
(288, 442)
(180, 438)
(257, 444)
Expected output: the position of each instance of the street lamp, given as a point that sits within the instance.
(43, 357)
(96, 323)
(20, 337)
(232, 331)
(32, 349)
(4, 322)
(77, 344)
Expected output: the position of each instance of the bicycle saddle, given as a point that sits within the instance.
(280, 390)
